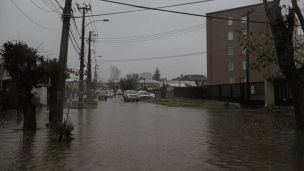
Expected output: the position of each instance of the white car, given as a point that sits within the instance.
(152, 95)
(131, 95)
(144, 95)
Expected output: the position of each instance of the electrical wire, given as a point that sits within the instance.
(152, 58)
(156, 34)
(147, 9)
(148, 39)
(40, 7)
(177, 12)
(33, 20)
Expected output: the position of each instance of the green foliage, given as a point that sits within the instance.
(185, 102)
(92, 105)
(23, 63)
(156, 75)
(62, 131)
(259, 45)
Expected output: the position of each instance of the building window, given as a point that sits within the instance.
(231, 80)
(244, 65)
(230, 21)
(230, 35)
(243, 50)
(243, 79)
(244, 19)
(230, 50)
(230, 65)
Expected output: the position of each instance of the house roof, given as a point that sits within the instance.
(178, 83)
(199, 78)
(147, 81)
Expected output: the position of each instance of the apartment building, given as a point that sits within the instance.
(226, 60)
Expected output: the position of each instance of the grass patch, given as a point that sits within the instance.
(92, 105)
(185, 102)
(62, 131)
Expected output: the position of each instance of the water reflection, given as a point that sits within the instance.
(141, 136)
(240, 142)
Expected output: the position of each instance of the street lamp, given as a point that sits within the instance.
(80, 105)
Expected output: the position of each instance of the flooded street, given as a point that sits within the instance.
(133, 136)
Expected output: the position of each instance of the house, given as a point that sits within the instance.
(226, 60)
(149, 84)
(172, 84)
(200, 79)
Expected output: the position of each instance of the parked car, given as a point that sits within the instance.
(152, 95)
(110, 93)
(119, 92)
(131, 95)
(102, 95)
(144, 95)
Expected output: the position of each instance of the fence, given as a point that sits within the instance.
(224, 92)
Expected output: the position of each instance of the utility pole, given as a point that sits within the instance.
(64, 44)
(89, 70)
(84, 11)
(247, 57)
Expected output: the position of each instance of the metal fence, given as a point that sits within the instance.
(224, 92)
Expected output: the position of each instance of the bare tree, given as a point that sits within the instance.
(114, 76)
(129, 82)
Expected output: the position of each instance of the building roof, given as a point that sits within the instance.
(147, 81)
(199, 78)
(179, 83)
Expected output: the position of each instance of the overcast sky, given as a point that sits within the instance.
(153, 33)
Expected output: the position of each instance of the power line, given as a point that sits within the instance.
(152, 58)
(177, 12)
(147, 39)
(33, 20)
(148, 9)
(156, 34)
(40, 7)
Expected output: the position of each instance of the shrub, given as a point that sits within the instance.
(62, 131)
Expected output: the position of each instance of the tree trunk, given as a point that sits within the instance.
(297, 98)
(29, 110)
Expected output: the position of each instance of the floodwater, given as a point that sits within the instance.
(132, 136)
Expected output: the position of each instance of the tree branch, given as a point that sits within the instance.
(298, 12)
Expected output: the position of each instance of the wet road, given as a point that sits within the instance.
(133, 136)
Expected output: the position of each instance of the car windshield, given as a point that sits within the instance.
(145, 93)
(132, 92)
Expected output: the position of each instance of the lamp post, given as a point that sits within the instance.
(80, 101)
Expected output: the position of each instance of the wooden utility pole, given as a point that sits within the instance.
(89, 70)
(248, 90)
(64, 44)
(84, 10)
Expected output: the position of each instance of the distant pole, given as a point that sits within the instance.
(64, 44)
(247, 57)
(80, 101)
(89, 70)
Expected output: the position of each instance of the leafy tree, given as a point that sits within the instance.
(156, 75)
(24, 65)
(129, 82)
(280, 47)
